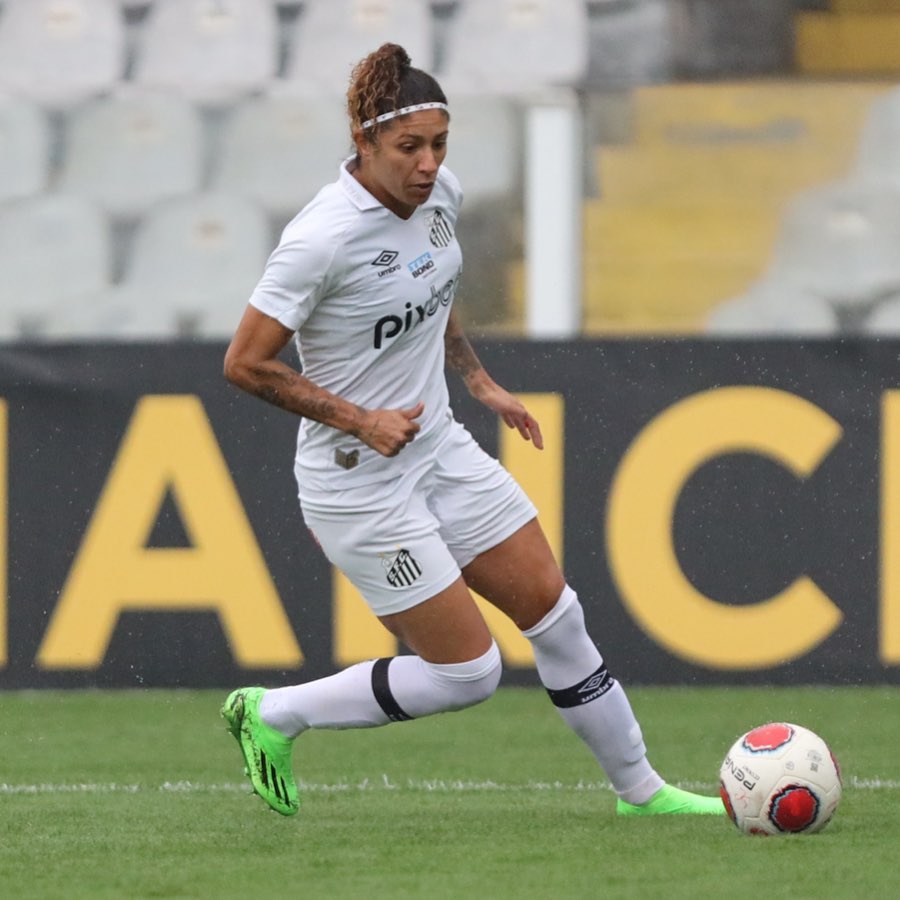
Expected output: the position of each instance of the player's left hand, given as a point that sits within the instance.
(512, 411)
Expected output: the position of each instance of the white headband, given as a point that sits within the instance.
(384, 117)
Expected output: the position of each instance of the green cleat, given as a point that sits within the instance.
(670, 800)
(267, 752)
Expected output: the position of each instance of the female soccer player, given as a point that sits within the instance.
(396, 492)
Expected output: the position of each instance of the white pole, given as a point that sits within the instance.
(553, 239)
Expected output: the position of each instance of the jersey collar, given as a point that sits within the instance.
(358, 195)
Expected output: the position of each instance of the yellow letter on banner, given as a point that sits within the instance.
(169, 446)
(4, 534)
(889, 626)
(357, 634)
(641, 512)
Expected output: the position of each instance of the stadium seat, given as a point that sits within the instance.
(61, 51)
(24, 148)
(771, 308)
(878, 158)
(516, 46)
(840, 242)
(331, 36)
(54, 249)
(193, 266)
(130, 150)
(281, 148)
(208, 51)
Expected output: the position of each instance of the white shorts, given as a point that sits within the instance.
(402, 541)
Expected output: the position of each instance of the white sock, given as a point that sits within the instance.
(592, 703)
(379, 691)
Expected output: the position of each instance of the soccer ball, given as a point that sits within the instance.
(780, 779)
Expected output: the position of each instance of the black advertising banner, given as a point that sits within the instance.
(727, 512)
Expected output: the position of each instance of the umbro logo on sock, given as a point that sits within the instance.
(594, 686)
(593, 682)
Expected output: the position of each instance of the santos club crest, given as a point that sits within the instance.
(439, 231)
(401, 568)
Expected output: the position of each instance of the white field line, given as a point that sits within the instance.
(384, 783)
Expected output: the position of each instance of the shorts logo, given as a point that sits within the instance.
(385, 261)
(400, 568)
(439, 231)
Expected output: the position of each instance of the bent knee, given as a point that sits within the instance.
(468, 683)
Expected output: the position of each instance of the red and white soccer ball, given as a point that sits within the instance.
(780, 779)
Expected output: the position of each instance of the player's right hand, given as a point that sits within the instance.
(388, 431)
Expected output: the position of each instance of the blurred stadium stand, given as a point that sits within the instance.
(516, 46)
(771, 308)
(208, 51)
(850, 37)
(280, 147)
(689, 206)
(130, 149)
(194, 262)
(714, 132)
(878, 158)
(25, 148)
(61, 51)
(318, 60)
(55, 254)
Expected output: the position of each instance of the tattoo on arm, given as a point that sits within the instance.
(460, 355)
(270, 394)
(289, 390)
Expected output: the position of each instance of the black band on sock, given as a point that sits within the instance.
(382, 690)
(591, 688)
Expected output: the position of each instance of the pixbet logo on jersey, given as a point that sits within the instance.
(388, 327)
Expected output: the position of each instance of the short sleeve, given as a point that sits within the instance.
(295, 276)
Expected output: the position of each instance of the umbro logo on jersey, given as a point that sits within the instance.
(439, 231)
(385, 261)
(401, 568)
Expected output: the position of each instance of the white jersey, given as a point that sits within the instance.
(368, 294)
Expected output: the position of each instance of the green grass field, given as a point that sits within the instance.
(141, 794)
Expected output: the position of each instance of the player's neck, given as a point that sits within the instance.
(379, 192)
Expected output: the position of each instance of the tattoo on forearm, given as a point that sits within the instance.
(322, 409)
(298, 394)
(270, 394)
(460, 355)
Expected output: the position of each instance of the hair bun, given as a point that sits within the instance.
(401, 57)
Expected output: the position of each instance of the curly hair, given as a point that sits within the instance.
(384, 81)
